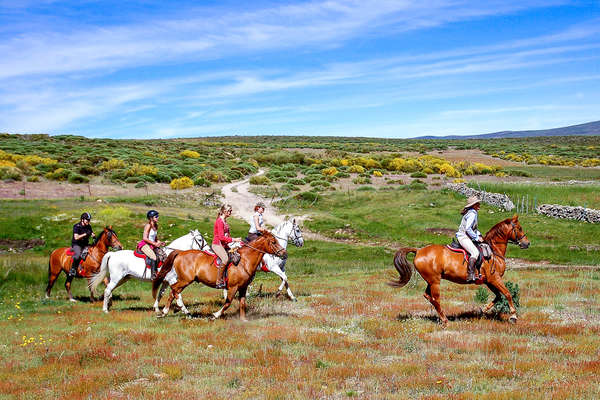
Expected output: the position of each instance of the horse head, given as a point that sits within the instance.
(111, 238)
(296, 234)
(516, 235)
(268, 243)
(197, 240)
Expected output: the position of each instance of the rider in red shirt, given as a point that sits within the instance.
(221, 240)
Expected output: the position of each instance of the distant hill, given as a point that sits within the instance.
(589, 129)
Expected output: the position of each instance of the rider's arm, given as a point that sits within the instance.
(256, 221)
(220, 232)
(470, 219)
(77, 235)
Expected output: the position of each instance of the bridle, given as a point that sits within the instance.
(277, 254)
(517, 239)
(201, 246)
(295, 238)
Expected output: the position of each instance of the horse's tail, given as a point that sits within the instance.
(164, 270)
(403, 266)
(99, 276)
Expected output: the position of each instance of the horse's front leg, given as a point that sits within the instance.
(491, 304)
(499, 285)
(243, 304)
(230, 294)
(92, 298)
(181, 305)
(284, 284)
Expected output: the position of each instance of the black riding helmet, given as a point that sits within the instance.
(86, 215)
(152, 213)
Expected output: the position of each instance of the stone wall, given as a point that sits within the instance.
(567, 212)
(494, 199)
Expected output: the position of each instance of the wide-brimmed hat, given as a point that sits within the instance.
(471, 201)
(260, 204)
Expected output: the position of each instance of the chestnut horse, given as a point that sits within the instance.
(435, 262)
(60, 261)
(195, 265)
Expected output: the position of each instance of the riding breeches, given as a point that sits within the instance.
(77, 249)
(147, 250)
(468, 245)
(221, 252)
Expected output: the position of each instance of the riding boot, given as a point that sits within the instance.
(220, 283)
(74, 266)
(153, 268)
(471, 270)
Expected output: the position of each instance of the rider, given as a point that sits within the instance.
(468, 233)
(149, 241)
(82, 231)
(221, 240)
(257, 223)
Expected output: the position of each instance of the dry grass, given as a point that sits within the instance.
(348, 336)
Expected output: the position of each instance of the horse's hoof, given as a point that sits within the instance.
(73, 300)
(244, 319)
(47, 297)
(513, 319)
(105, 311)
(277, 294)
(293, 299)
(161, 315)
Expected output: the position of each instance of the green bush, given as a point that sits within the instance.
(59, 174)
(502, 305)
(33, 179)
(418, 174)
(260, 180)
(361, 180)
(290, 187)
(76, 178)
(296, 181)
(518, 172)
(481, 296)
(417, 185)
(140, 184)
(308, 196)
(200, 181)
(365, 188)
(10, 173)
(133, 179)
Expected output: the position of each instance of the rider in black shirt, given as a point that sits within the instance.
(82, 231)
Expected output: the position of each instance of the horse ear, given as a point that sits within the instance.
(294, 221)
(515, 218)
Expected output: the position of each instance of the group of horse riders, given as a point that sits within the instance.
(151, 247)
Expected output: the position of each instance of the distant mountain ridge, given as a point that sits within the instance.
(587, 129)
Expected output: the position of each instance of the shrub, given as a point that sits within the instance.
(76, 178)
(33, 179)
(296, 181)
(518, 172)
(88, 169)
(112, 164)
(308, 196)
(361, 180)
(342, 174)
(59, 174)
(7, 163)
(357, 169)
(366, 188)
(181, 183)
(140, 169)
(481, 296)
(140, 184)
(331, 171)
(147, 178)
(10, 173)
(132, 179)
(200, 181)
(260, 180)
(418, 174)
(377, 174)
(502, 305)
(417, 185)
(189, 154)
(290, 187)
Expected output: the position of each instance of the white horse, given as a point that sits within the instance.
(123, 265)
(285, 231)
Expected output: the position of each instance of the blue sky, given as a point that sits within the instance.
(163, 69)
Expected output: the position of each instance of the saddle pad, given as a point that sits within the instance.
(461, 250)
(143, 256)
(70, 252)
(263, 267)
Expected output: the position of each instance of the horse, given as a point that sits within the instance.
(61, 261)
(194, 265)
(283, 232)
(123, 265)
(436, 262)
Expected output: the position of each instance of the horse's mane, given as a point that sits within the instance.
(495, 230)
(97, 240)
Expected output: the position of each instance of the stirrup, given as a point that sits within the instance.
(220, 285)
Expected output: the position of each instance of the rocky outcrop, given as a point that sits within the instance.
(568, 212)
(494, 199)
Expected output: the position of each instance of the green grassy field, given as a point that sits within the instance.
(348, 336)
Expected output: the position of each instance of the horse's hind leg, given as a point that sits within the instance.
(242, 294)
(285, 283)
(432, 293)
(161, 292)
(51, 279)
(68, 287)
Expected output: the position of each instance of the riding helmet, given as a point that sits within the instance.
(86, 216)
(152, 213)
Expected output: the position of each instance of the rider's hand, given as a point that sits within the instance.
(93, 235)
(237, 239)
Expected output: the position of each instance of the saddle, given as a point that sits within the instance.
(484, 252)
(145, 257)
(84, 252)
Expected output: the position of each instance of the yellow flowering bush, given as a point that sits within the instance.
(189, 154)
(357, 169)
(331, 171)
(181, 183)
(377, 174)
(140, 169)
(112, 164)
